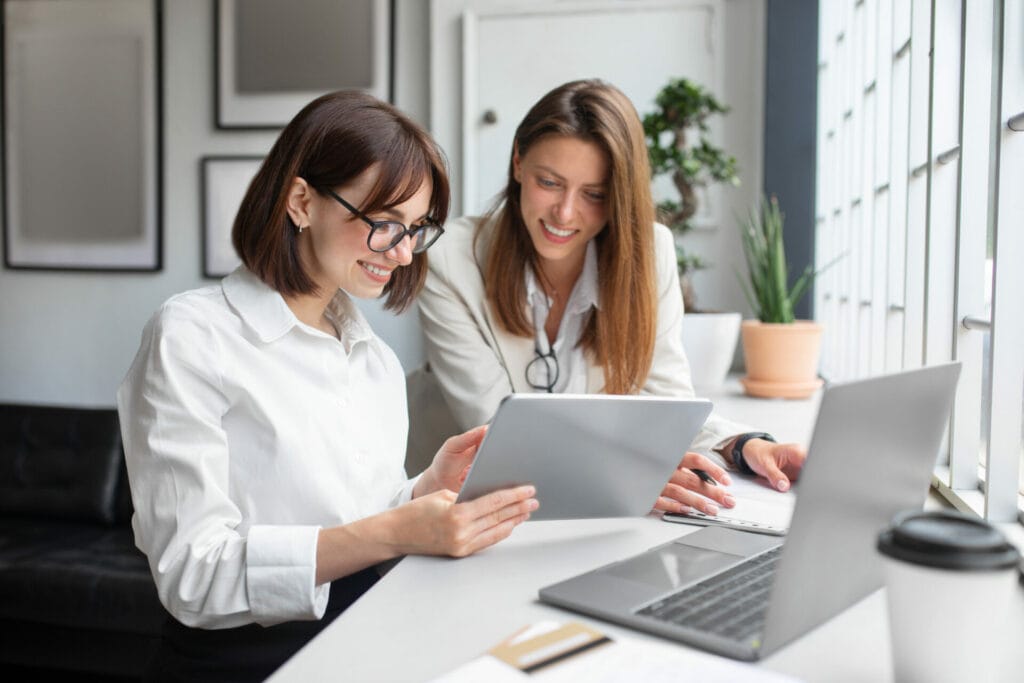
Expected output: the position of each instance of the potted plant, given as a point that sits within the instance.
(781, 353)
(678, 146)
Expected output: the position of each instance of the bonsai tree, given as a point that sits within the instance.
(767, 286)
(683, 110)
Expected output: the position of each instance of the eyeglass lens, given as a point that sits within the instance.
(386, 235)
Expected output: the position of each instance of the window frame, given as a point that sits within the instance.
(933, 167)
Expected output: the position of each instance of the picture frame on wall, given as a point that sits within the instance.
(224, 180)
(82, 135)
(272, 58)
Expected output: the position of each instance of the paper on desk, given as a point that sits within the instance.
(756, 501)
(609, 661)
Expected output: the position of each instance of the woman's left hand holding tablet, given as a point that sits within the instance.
(432, 524)
(462, 529)
(435, 525)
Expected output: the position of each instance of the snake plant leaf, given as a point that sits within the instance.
(766, 287)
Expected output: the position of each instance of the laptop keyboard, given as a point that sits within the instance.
(732, 603)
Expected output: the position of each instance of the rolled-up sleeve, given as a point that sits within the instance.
(281, 572)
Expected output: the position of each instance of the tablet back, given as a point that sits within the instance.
(589, 455)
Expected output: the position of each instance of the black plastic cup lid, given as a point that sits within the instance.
(947, 540)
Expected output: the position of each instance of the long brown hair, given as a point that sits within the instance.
(334, 139)
(620, 334)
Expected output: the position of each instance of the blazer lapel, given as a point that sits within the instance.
(515, 352)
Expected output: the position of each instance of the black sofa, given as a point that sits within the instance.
(76, 595)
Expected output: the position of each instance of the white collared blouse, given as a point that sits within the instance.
(245, 432)
(572, 366)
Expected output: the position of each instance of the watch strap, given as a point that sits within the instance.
(737, 450)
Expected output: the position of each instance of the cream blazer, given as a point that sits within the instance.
(472, 362)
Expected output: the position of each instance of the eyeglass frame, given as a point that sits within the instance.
(377, 225)
(549, 359)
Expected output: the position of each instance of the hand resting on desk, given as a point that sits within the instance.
(776, 462)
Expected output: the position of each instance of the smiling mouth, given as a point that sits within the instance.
(558, 232)
(376, 271)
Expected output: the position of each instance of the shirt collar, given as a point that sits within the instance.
(352, 324)
(534, 293)
(265, 311)
(584, 293)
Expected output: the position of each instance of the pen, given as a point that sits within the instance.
(705, 477)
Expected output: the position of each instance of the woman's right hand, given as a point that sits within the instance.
(686, 491)
(435, 524)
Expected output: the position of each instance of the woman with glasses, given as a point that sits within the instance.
(265, 423)
(569, 285)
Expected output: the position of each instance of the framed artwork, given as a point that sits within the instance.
(273, 57)
(224, 181)
(82, 135)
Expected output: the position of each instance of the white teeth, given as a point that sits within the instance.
(376, 270)
(556, 231)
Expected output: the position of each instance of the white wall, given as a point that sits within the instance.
(742, 136)
(68, 338)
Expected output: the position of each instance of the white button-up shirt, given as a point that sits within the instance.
(245, 432)
(572, 367)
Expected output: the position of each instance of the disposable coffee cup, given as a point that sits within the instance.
(950, 579)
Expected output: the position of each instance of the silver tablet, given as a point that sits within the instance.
(589, 455)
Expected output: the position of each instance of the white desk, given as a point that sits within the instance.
(430, 615)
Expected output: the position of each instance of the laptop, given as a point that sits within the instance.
(589, 455)
(746, 595)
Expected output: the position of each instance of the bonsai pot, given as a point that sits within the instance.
(781, 358)
(709, 340)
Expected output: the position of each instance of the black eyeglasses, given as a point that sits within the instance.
(385, 235)
(542, 371)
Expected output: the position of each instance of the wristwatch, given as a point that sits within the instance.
(737, 450)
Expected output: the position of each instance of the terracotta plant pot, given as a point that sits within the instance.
(781, 359)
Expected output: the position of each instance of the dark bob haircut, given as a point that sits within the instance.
(333, 140)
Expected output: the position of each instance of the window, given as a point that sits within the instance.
(920, 170)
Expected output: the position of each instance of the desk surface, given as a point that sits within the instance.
(430, 615)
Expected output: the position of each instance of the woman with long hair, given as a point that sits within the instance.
(569, 285)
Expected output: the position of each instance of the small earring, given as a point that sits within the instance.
(302, 227)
